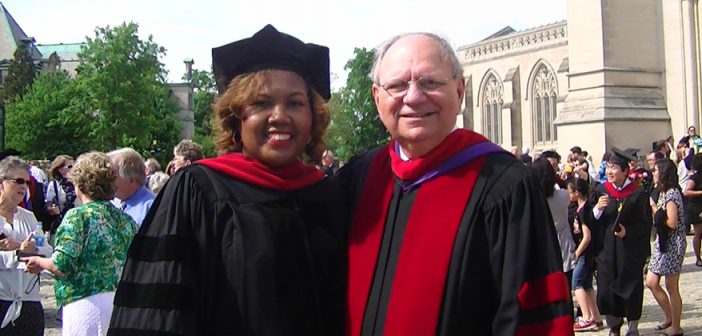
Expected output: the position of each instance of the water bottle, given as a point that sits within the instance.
(39, 236)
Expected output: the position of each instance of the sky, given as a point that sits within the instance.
(190, 29)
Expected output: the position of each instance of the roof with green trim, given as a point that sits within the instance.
(47, 49)
(66, 51)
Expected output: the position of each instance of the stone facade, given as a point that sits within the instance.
(618, 73)
(514, 84)
(182, 93)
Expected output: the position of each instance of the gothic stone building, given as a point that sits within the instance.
(618, 73)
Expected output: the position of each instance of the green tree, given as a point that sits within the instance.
(21, 74)
(205, 92)
(355, 126)
(204, 81)
(165, 130)
(49, 120)
(123, 82)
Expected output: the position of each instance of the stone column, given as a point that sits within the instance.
(188, 69)
(615, 68)
(691, 58)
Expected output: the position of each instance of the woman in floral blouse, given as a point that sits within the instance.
(91, 246)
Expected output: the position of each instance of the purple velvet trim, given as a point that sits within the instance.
(460, 159)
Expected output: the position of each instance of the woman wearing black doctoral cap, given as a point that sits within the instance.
(622, 211)
(250, 242)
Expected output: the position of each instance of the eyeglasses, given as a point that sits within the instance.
(19, 181)
(398, 88)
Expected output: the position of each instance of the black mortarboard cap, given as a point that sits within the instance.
(271, 49)
(633, 152)
(623, 157)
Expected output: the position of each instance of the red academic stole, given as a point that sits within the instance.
(421, 270)
(621, 194)
(296, 176)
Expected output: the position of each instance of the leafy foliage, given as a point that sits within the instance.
(205, 92)
(119, 98)
(164, 128)
(49, 120)
(123, 82)
(21, 74)
(355, 126)
(204, 81)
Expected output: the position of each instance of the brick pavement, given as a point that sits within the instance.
(690, 287)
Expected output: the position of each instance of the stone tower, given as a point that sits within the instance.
(616, 62)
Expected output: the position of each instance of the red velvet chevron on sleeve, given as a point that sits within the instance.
(544, 291)
(549, 290)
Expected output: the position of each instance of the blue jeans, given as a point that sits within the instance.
(582, 274)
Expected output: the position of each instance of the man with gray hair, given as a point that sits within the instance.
(451, 234)
(151, 166)
(185, 153)
(131, 196)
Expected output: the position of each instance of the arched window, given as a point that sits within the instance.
(492, 109)
(544, 95)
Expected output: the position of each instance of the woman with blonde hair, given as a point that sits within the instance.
(91, 246)
(251, 242)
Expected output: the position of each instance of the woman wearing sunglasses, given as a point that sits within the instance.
(60, 193)
(21, 312)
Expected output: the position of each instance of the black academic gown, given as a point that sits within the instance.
(38, 204)
(506, 238)
(217, 256)
(620, 262)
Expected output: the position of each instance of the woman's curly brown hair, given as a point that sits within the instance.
(241, 92)
(94, 175)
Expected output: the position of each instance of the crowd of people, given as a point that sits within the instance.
(626, 218)
(76, 222)
(440, 232)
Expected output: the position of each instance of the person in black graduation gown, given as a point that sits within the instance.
(451, 234)
(251, 242)
(621, 208)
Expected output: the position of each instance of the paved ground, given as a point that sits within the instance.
(691, 291)
(52, 327)
(690, 284)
